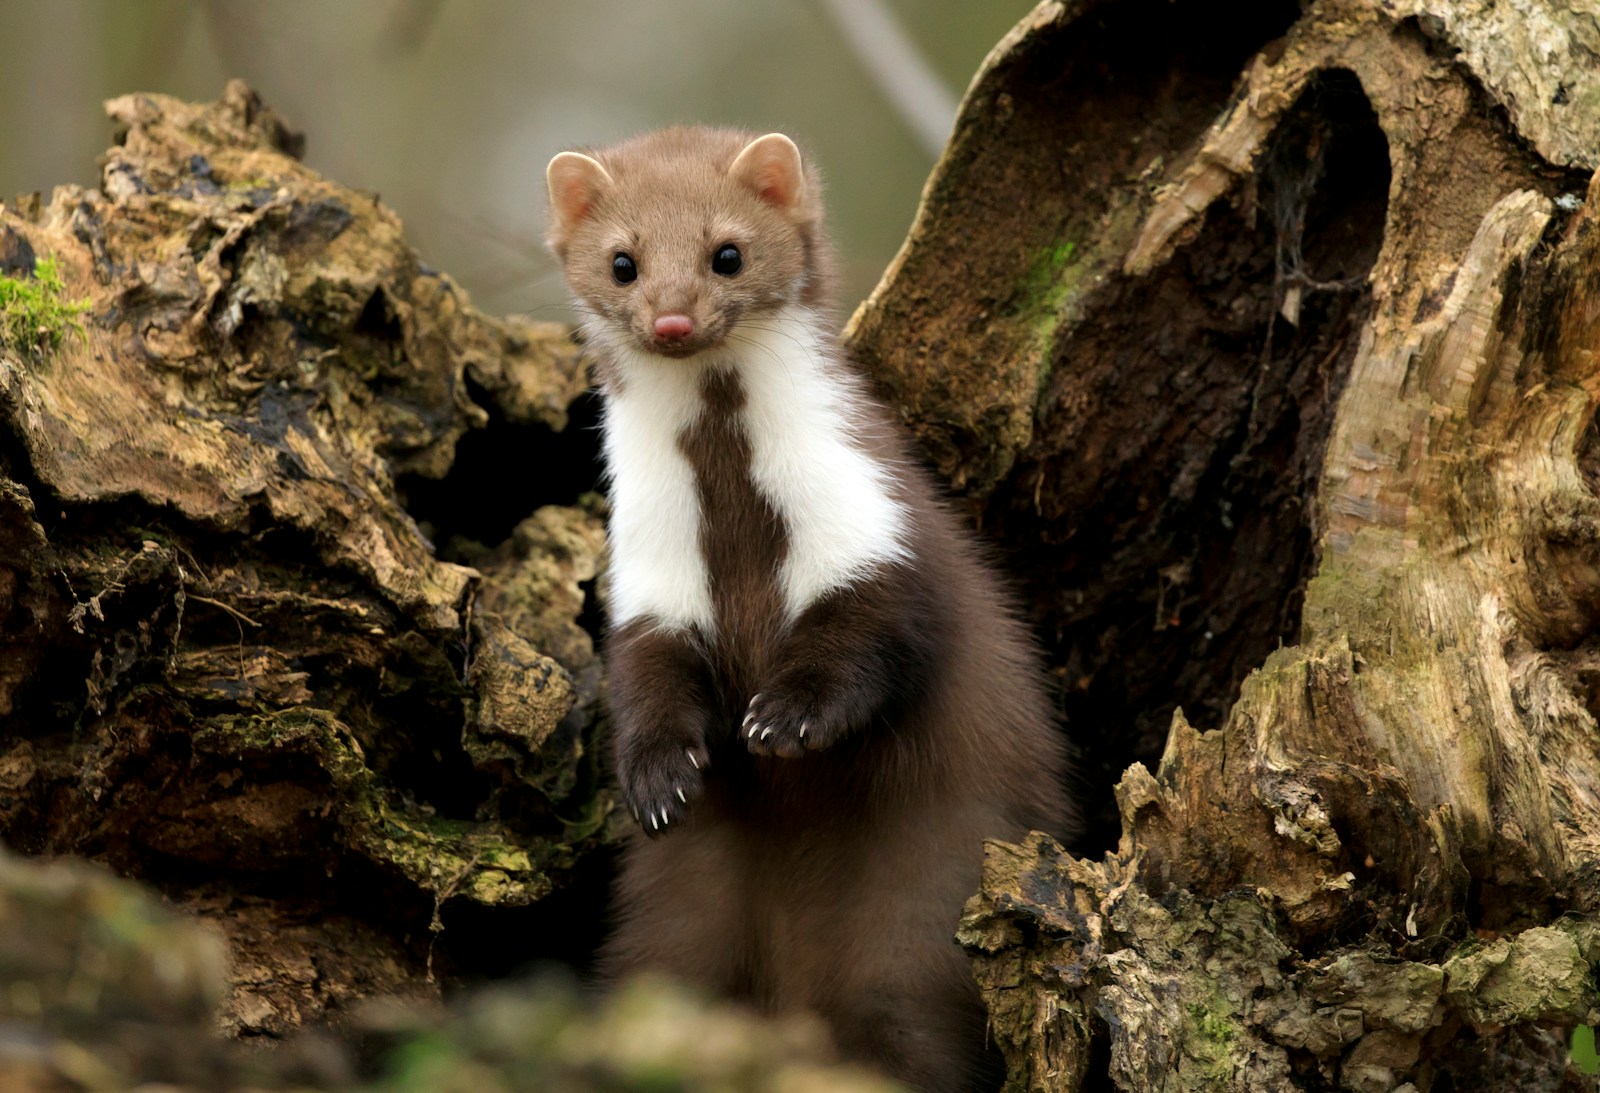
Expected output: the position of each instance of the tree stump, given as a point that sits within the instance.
(233, 663)
(1266, 345)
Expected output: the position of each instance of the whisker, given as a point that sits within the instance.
(533, 309)
(782, 361)
(755, 324)
(740, 339)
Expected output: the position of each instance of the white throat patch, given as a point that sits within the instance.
(657, 570)
(802, 418)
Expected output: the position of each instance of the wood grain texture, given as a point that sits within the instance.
(1362, 809)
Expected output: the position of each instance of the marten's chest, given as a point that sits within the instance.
(744, 536)
(742, 491)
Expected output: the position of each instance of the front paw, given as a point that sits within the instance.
(788, 722)
(660, 781)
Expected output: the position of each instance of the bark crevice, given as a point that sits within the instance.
(504, 470)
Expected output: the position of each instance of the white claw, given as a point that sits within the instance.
(654, 825)
(664, 820)
(753, 730)
(765, 733)
(693, 761)
(804, 725)
(681, 797)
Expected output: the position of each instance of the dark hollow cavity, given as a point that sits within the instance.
(505, 471)
(1165, 528)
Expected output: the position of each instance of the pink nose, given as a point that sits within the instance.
(674, 328)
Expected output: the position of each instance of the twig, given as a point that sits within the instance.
(895, 64)
(240, 615)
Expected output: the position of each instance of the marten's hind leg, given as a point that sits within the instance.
(873, 950)
(679, 912)
(926, 1029)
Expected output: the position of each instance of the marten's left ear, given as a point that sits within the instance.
(770, 167)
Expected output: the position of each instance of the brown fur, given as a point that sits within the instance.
(827, 873)
(671, 203)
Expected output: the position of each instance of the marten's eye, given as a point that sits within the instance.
(623, 271)
(727, 261)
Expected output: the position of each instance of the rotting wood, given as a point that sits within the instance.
(1379, 864)
(233, 665)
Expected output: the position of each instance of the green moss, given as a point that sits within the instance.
(596, 810)
(1211, 1044)
(298, 730)
(1048, 294)
(1046, 285)
(1214, 1027)
(1061, 274)
(1055, 258)
(34, 315)
(1585, 1059)
(450, 858)
(456, 858)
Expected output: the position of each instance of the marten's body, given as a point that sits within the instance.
(822, 701)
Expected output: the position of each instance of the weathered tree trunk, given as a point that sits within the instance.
(231, 664)
(1269, 343)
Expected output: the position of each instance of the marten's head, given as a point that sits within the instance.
(673, 239)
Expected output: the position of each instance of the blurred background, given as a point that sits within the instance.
(449, 109)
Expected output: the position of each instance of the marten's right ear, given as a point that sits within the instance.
(576, 182)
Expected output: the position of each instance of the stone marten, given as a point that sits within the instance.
(821, 697)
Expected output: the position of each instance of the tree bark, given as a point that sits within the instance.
(233, 663)
(1266, 345)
